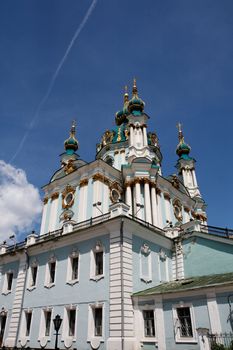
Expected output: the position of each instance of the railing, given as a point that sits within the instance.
(146, 223)
(217, 231)
(222, 341)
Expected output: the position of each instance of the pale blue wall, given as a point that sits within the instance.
(204, 257)
(138, 284)
(62, 294)
(6, 301)
(224, 311)
(200, 315)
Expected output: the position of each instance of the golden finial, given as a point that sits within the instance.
(73, 126)
(135, 90)
(126, 95)
(180, 133)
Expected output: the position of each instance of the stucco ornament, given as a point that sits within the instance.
(162, 255)
(145, 249)
(98, 246)
(68, 197)
(178, 210)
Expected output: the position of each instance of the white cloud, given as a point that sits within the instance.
(20, 204)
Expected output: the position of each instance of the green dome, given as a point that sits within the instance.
(183, 149)
(71, 144)
(136, 103)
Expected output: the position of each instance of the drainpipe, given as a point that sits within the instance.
(122, 283)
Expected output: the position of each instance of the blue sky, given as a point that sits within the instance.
(180, 51)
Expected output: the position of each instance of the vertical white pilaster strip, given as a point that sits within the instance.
(105, 199)
(138, 198)
(53, 214)
(96, 199)
(44, 214)
(128, 196)
(131, 138)
(145, 142)
(160, 323)
(194, 178)
(147, 200)
(17, 304)
(214, 317)
(82, 201)
(159, 208)
(154, 206)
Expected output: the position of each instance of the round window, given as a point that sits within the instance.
(69, 198)
(115, 195)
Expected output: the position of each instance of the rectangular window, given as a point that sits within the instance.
(28, 319)
(34, 270)
(185, 322)
(74, 263)
(149, 323)
(52, 269)
(72, 316)
(9, 280)
(98, 321)
(48, 315)
(3, 326)
(98, 263)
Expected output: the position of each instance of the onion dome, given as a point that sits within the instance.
(71, 144)
(121, 115)
(182, 149)
(136, 104)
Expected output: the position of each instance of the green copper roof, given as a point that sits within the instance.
(188, 284)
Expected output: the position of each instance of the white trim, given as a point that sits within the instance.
(141, 325)
(145, 253)
(91, 323)
(29, 281)
(213, 312)
(48, 283)
(98, 248)
(69, 280)
(24, 338)
(5, 289)
(178, 337)
(66, 338)
(42, 336)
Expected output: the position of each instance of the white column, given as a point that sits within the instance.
(214, 317)
(167, 207)
(53, 212)
(160, 323)
(145, 143)
(96, 198)
(122, 153)
(128, 196)
(154, 206)
(131, 136)
(82, 201)
(159, 209)
(194, 178)
(147, 200)
(138, 198)
(105, 200)
(186, 216)
(44, 214)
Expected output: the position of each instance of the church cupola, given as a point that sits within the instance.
(136, 104)
(186, 165)
(71, 144)
(122, 115)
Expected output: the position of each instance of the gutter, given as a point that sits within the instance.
(122, 283)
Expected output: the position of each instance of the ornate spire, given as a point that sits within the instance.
(71, 144)
(126, 95)
(182, 149)
(180, 133)
(135, 89)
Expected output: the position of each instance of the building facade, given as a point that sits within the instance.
(124, 254)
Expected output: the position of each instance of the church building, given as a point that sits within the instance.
(125, 258)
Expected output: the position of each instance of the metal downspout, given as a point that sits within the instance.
(122, 283)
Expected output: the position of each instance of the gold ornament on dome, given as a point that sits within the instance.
(175, 181)
(126, 134)
(69, 167)
(177, 209)
(68, 197)
(107, 137)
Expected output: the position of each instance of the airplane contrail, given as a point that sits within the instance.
(53, 79)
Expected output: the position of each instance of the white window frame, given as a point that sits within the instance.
(73, 255)
(5, 289)
(98, 248)
(66, 338)
(4, 312)
(91, 337)
(42, 335)
(24, 337)
(145, 252)
(141, 327)
(178, 337)
(47, 283)
(29, 284)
